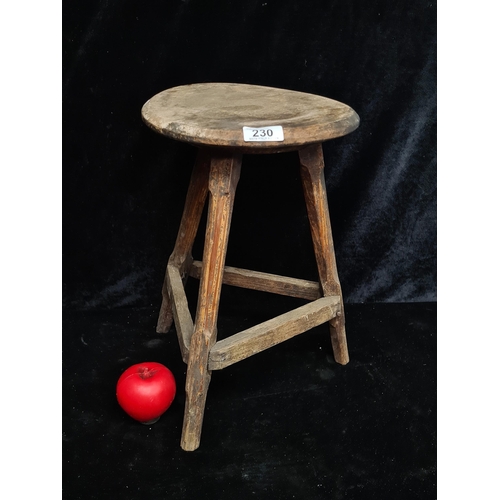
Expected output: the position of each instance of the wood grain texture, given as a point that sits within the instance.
(313, 181)
(224, 176)
(182, 316)
(214, 114)
(270, 333)
(193, 208)
(265, 282)
(181, 255)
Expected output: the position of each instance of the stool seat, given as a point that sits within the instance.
(214, 114)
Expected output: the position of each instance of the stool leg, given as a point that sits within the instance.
(181, 256)
(313, 181)
(224, 176)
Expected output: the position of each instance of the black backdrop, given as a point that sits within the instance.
(124, 186)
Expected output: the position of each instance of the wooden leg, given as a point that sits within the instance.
(224, 176)
(313, 181)
(181, 256)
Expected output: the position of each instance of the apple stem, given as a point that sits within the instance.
(144, 372)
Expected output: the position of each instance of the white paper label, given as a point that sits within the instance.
(263, 134)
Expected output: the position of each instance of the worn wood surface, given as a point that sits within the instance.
(181, 255)
(270, 333)
(214, 114)
(224, 176)
(182, 317)
(313, 181)
(265, 282)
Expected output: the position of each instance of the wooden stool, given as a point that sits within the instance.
(226, 120)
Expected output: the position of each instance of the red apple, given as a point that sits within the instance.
(145, 391)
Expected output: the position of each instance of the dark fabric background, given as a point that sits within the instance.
(124, 186)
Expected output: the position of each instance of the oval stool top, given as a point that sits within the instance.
(214, 114)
